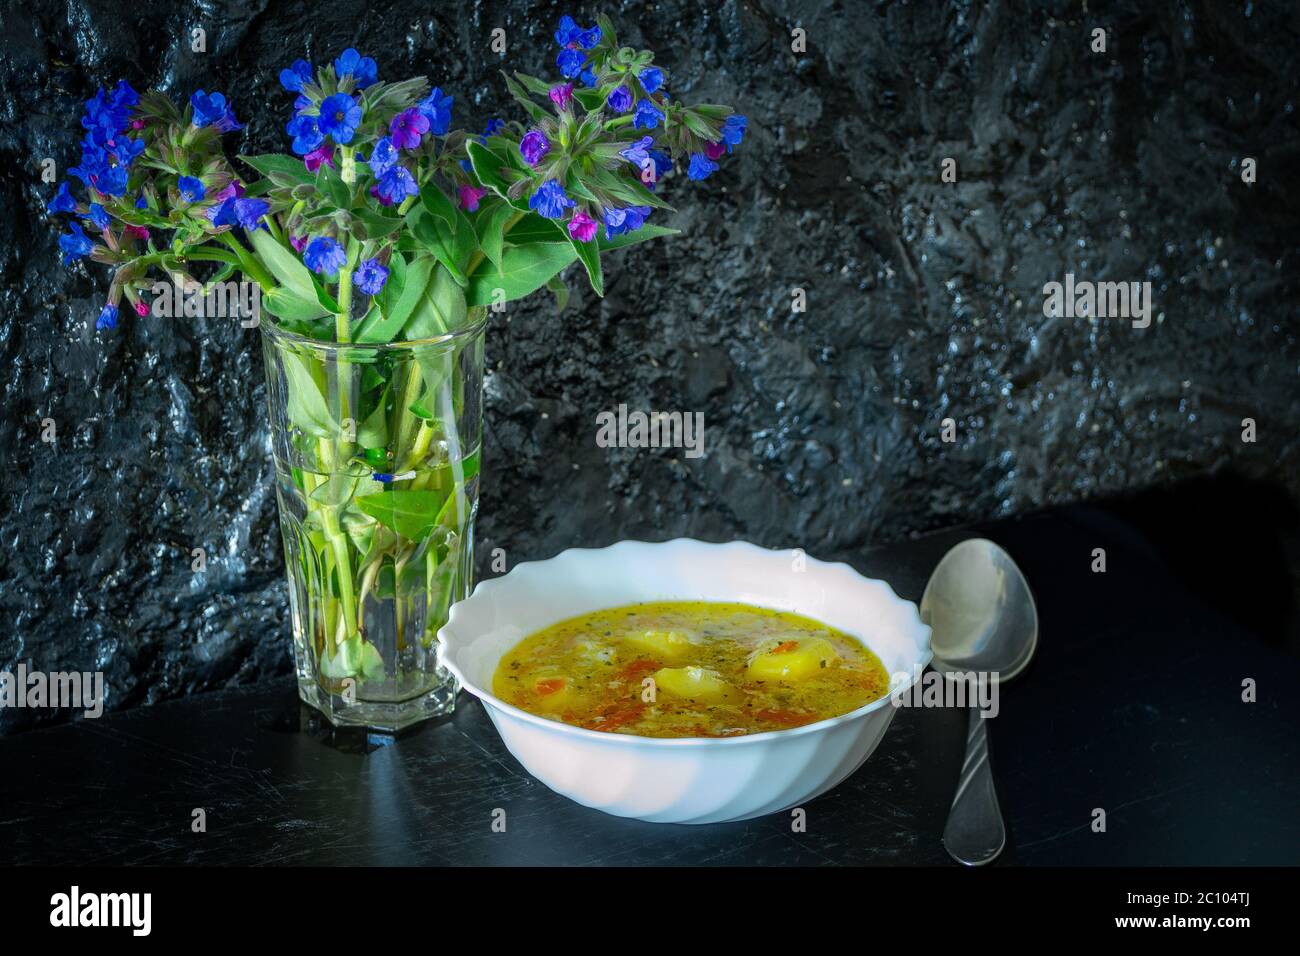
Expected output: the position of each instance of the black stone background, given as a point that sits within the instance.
(924, 299)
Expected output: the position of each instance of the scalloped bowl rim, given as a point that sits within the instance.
(447, 642)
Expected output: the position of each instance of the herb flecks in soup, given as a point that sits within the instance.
(689, 669)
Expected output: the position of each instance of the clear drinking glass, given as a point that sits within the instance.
(377, 464)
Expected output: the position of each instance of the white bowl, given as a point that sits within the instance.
(696, 779)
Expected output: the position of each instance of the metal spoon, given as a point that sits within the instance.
(982, 618)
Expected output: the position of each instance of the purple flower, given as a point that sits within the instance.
(370, 276)
(550, 200)
(701, 167)
(305, 132)
(648, 116)
(62, 201)
(383, 157)
(437, 108)
(534, 146)
(582, 227)
(320, 156)
(212, 110)
(107, 318)
(562, 95)
(570, 63)
(340, 115)
(715, 151)
(76, 244)
(296, 77)
(619, 221)
(97, 217)
(362, 68)
(324, 256)
(470, 196)
(299, 243)
(191, 189)
(407, 128)
(620, 99)
(733, 130)
(394, 186)
(651, 78)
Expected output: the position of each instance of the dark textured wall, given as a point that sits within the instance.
(924, 299)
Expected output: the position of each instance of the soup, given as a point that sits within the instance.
(689, 669)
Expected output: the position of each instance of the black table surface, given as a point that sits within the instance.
(1133, 705)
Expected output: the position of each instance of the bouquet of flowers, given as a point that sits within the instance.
(378, 248)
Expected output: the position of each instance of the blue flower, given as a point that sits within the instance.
(701, 167)
(340, 115)
(570, 62)
(62, 201)
(362, 68)
(382, 157)
(370, 277)
(141, 202)
(104, 118)
(733, 130)
(246, 212)
(569, 33)
(302, 103)
(213, 110)
(638, 153)
(112, 181)
(395, 185)
(295, 77)
(550, 200)
(97, 217)
(437, 108)
(107, 318)
(588, 78)
(651, 78)
(325, 256)
(191, 189)
(663, 163)
(76, 244)
(306, 134)
(123, 96)
(619, 221)
(127, 149)
(620, 99)
(647, 115)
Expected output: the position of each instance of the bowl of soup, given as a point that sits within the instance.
(683, 681)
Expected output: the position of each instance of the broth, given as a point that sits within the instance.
(689, 669)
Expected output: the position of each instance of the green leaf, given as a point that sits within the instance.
(591, 99)
(490, 224)
(643, 234)
(488, 166)
(436, 201)
(377, 224)
(442, 309)
(285, 304)
(290, 166)
(284, 264)
(373, 432)
(523, 270)
(332, 185)
(415, 280)
(589, 254)
(306, 404)
(412, 514)
(561, 290)
(534, 228)
(452, 246)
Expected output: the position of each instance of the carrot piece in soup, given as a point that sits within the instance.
(545, 688)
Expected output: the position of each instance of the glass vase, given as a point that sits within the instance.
(376, 452)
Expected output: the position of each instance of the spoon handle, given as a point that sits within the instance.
(975, 833)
